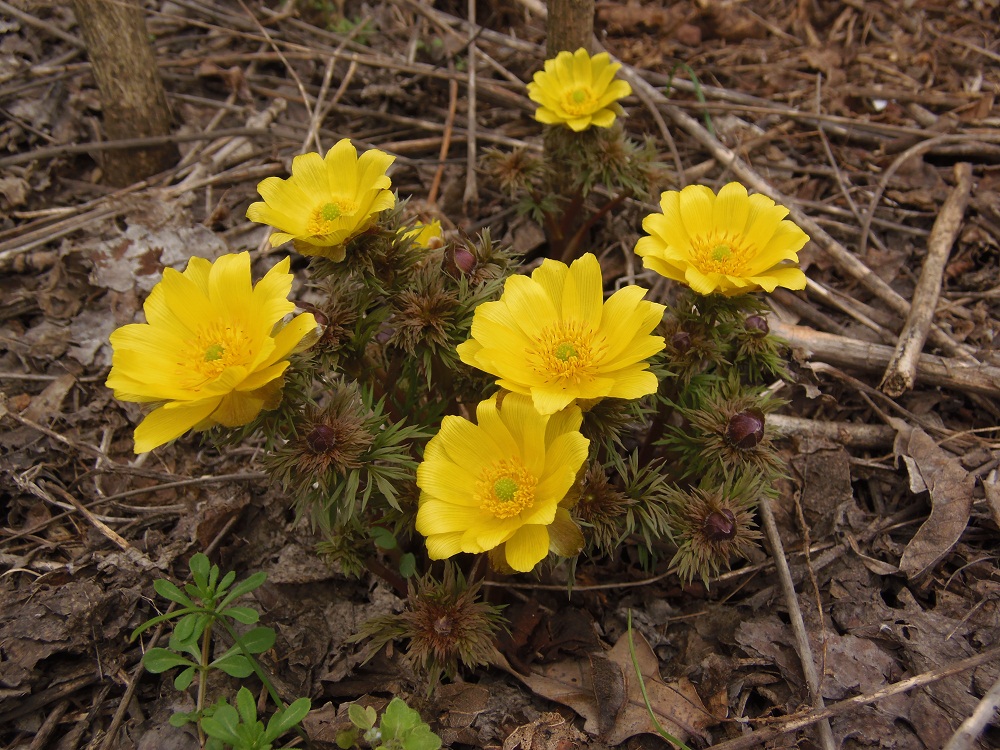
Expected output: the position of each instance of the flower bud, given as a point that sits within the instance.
(756, 325)
(322, 439)
(745, 429)
(719, 525)
(464, 260)
(681, 341)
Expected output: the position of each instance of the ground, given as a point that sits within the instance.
(856, 113)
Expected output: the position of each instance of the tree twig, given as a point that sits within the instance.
(968, 377)
(902, 370)
(798, 625)
(794, 724)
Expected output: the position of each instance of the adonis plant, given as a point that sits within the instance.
(434, 401)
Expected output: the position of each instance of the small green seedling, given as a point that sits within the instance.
(204, 605)
(401, 729)
(239, 727)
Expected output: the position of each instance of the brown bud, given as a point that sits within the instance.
(464, 260)
(756, 325)
(745, 429)
(719, 525)
(681, 341)
(322, 439)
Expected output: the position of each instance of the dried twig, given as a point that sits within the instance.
(902, 370)
(966, 735)
(847, 352)
(798, 625)
(471, 196)
(848, 434)
(794, 724)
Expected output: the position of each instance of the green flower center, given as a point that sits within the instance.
(506, 489)
(567, 351)
(564, 351)
(331, 216)
(579, 102)
(722, 253)
(221, 344)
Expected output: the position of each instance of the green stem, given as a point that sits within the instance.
(206, 653)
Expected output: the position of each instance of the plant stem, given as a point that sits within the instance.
(206, 652)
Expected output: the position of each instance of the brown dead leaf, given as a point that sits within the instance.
(48, 403)
(604, 690)
(950, 487)
(634, 17)
(550, 731)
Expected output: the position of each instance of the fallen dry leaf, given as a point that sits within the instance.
(950, 487)
(605, 691)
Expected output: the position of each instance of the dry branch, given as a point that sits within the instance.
(969, 377)
(902, 370)
(794, 724)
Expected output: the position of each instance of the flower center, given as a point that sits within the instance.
(506, 489)
(324, 219)
(580, 101)
(567, 351)
(726, 255)
(216, 347)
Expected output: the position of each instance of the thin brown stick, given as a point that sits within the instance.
(966, 735)
(449, 125)
(848, 434)
(862, 355)
(123, 143)
(901, 373)
(471, 196)
(802, 645)
(794, 724)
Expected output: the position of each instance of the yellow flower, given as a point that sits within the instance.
(212, 351)
(325, 202)
(731, 243)
(426, 235)
(553, 337)
(502, 483)
(578, 90)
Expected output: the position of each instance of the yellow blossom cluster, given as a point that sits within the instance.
(215, 347)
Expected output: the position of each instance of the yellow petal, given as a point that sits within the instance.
(731, 209)
(163, 425)
(447, 481)
(309, 174)
(565, 537)
(237, 409)
(583, 296)
(437, 517)
(443, 546)
(527, 548)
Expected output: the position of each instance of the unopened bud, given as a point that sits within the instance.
(681, 341)
(719, 525)
(746, 429)
(756, 325)
(464, 260)
(322, 439)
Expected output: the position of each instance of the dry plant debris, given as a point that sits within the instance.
(853, 114)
